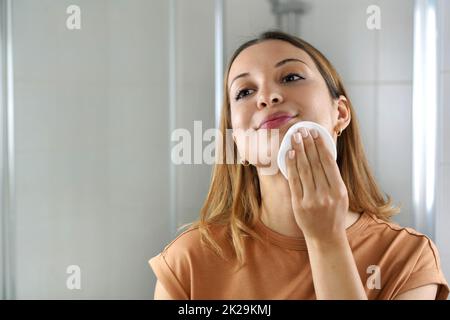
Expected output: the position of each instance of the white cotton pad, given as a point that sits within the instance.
(286, 143)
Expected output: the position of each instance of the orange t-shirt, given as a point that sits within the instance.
(390, 260)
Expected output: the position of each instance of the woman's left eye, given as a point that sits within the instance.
(292, 77)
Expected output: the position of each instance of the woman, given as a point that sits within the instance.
(323, 233)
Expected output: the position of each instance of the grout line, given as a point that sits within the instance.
(172, 116)
(376, 101)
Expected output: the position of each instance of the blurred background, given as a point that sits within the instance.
(87, 115)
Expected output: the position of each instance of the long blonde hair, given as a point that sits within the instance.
(234, 196)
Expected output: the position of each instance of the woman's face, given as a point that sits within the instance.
(270, 77)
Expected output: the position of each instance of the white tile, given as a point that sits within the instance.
(92, 147)
(195, 102)
(138, 134)
(396, 36)
(60, 117)
(364, 105)
(192, 187)
(138, 42)
(394, 146)
(443, 217)
(195, 42)
(51, 52)
(62, 207)
(445, 119)
(245, 20)
(444, 32)
(339, 30)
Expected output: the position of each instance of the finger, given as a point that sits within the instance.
(295, 183)
(312, 154)
(329, 165)
(303, 166)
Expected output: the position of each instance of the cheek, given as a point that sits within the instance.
(317, 106)
(240, 118)
(311, 96)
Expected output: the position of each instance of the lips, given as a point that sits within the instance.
(276, 120)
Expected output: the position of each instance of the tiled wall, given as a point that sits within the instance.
(92, 125)
(443, 204)
(92, 140)
(91, 167)
(195, 97)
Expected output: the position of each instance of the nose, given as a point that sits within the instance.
(274, 98)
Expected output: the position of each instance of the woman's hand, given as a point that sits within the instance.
(320, 203)
(318, 193)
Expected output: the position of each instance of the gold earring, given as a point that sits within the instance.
(339, 133)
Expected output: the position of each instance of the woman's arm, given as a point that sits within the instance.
(427, 292)
(161, 293)
(334, 271)
(320, 204)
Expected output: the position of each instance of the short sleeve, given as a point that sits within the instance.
(174, 265)
(167, 276)
(427, 270)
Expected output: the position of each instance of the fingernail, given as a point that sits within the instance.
(304, 132)
(314, 133)
(297, 137)
(291, 154)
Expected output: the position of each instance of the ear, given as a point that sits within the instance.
(343, 113)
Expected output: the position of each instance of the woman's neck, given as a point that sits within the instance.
(276, 209)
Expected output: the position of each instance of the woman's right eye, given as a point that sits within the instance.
(240, 95)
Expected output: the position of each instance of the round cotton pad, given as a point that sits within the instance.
(286, 142)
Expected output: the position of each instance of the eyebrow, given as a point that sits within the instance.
(278, 64)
